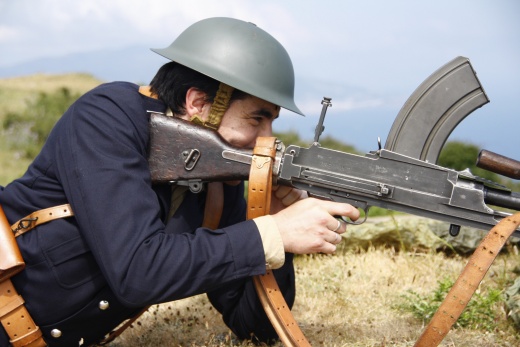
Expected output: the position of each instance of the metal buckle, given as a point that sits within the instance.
(25, 223)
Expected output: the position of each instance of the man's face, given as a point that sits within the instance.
(247, 119)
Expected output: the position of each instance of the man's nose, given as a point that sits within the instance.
(266, 130)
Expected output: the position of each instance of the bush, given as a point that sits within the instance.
(28, 130)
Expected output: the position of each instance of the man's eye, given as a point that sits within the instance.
(257, 119)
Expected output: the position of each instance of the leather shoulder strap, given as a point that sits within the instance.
(258, 204)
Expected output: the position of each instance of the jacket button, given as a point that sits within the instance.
(55, 333)
(103, 305)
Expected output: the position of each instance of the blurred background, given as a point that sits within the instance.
(368, 56)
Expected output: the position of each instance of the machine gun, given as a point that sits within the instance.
(403, 176)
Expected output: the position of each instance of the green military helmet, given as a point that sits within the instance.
(238, 54)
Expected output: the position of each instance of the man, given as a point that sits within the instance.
(131, 243)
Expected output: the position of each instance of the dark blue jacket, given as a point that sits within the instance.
(119, 247)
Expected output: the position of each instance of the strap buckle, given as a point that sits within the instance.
(25, 223)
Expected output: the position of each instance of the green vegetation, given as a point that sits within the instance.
(460, 156)
(478, 315)
(292, 138)
(27, 130)
(23, 136)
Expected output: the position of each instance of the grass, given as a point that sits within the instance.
(14, 94)
(352, 298)
(478, 315)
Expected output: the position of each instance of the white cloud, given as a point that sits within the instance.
(378, 50)
(8, 33)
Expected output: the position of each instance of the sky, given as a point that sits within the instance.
(368, 56)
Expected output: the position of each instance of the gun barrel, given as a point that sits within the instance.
(499, 164)
(500, 198)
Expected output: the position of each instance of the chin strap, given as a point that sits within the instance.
(216, 112)
(258, 204)
(218, 108)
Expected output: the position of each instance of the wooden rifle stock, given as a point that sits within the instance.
(173, 158)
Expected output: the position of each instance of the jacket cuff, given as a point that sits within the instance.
(272, 242)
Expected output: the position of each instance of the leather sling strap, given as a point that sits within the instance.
(15, 318)
(41, 216)
(258, 204)
(212, 213)
(467, 283)
(17, 322)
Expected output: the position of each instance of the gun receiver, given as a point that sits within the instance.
(396, 182)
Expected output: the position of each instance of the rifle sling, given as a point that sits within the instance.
(460, 294)
(258, 204)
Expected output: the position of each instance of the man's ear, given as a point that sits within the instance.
(195, 102)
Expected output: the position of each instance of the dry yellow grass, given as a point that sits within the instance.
(348, 299)
(14, 92)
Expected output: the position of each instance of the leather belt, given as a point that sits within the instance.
(39, 217)
(462, 291)
(259, 204)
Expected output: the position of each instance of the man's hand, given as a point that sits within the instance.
(283, 196)
(309, 225)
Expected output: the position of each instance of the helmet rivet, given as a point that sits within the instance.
(56, 333)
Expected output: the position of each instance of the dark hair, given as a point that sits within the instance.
(172, 81)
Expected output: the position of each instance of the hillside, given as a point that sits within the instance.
(15, 93)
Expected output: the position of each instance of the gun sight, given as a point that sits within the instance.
(319, 128)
